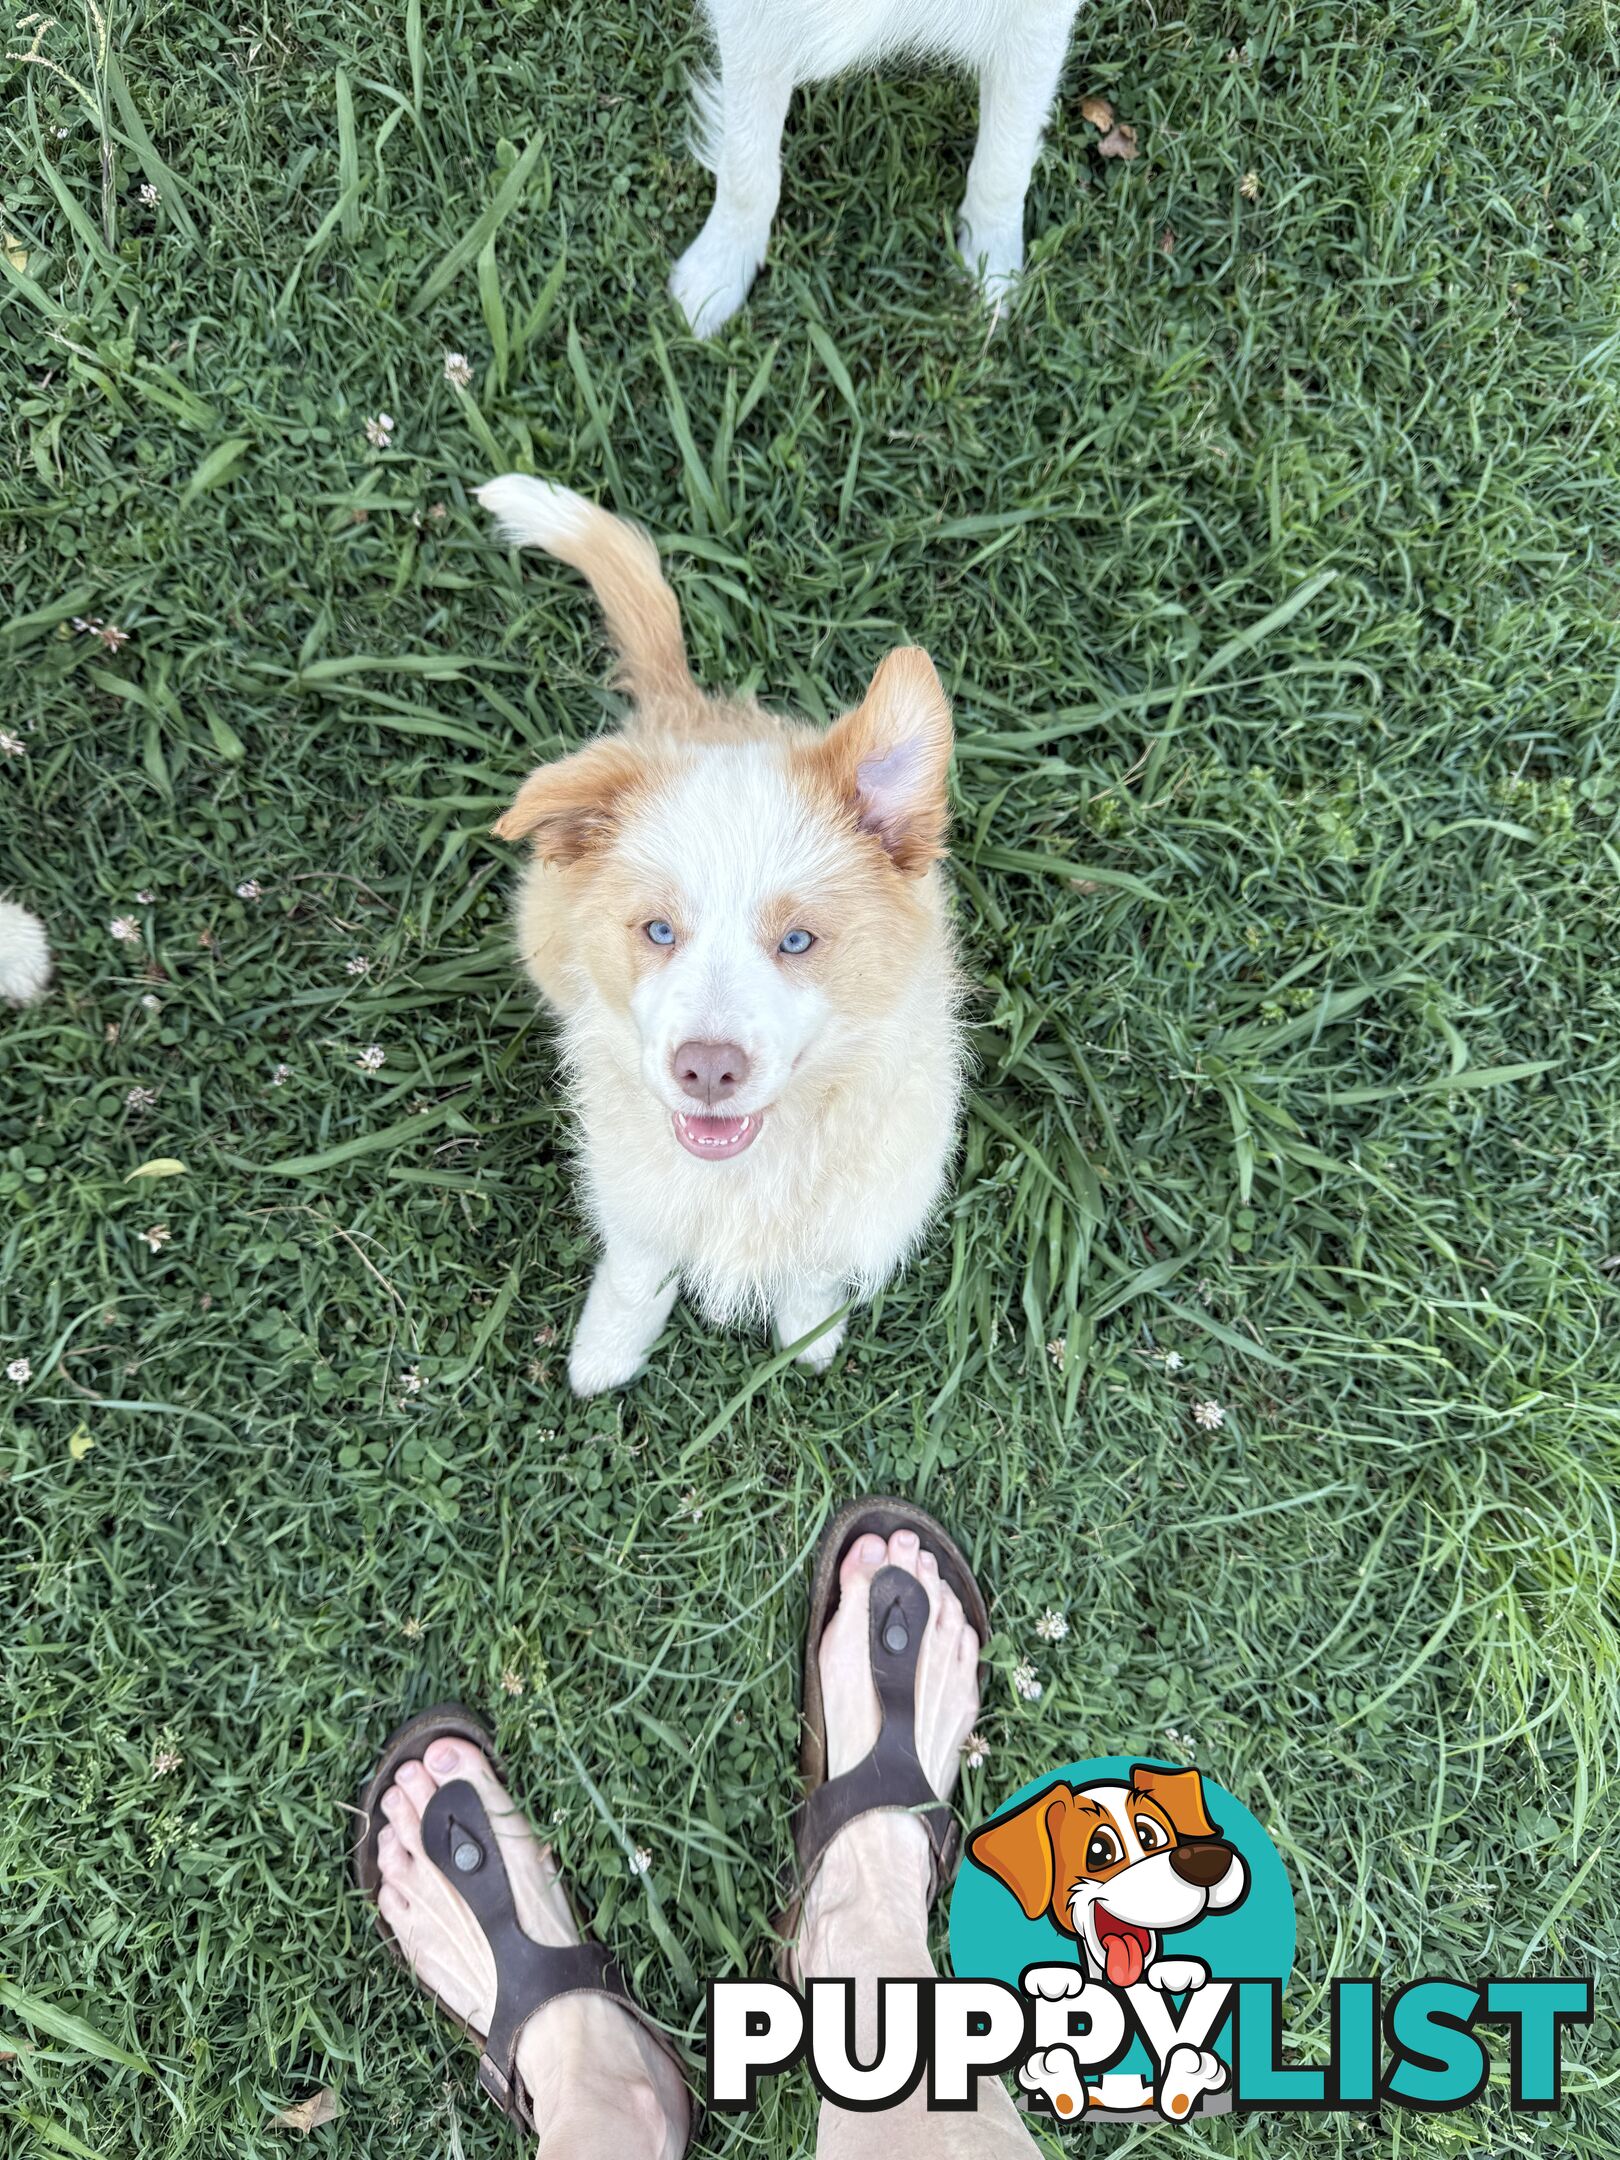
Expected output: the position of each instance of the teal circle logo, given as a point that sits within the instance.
(1113, 1890)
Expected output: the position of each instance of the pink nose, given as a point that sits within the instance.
(711, 1071)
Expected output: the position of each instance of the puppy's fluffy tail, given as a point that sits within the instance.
(621, 564)
(25, 955)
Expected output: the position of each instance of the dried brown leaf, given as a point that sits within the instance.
(307, 2115)
(1120, 142)
(1098, 111)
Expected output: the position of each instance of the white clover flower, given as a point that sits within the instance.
(1210, 1415)
(1051, 1626)
(380, 431)
(281, 1075)
(1173, 1361)
(140, 1098)
(457, 370)
(357, 964)
(978, 1751)
(151, 1003)
(146, 897)
(411, 1381)
(371, 1057)
(640, 1860)
(19, 1372)
(12, 745)
(166, 1760)
(158, 1236)
(125, 929)
(512, 1681)
(149, 195)
(109, 633)
(1025, 1682)
(249, 889)
(1058, 1351)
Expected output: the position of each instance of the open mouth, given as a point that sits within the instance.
(1124, 1947)
(713, 1139)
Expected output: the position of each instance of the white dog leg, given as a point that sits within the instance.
(631, 1295)
(740, 122)
(808, 1303)
(1017, 84)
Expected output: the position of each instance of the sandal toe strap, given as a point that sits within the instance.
(890, 1778)
(458, 1839)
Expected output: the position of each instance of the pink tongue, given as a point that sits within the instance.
(715, 1128)
(1124, 1954)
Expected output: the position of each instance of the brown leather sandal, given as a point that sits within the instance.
(890, 1778)
(458, 1839)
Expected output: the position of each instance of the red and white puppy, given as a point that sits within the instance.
(741, 923)
(1118, 1867)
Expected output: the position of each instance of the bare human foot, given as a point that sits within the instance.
(597, 2081)
(884, 1860)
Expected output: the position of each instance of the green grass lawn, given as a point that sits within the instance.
(1270, 555)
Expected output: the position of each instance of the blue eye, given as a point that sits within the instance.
(661, 933)
(796, 941)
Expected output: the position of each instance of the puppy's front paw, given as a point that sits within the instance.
(1174, 1976)
(1055, 2073)
(1054, 1983)
(712, 279)
(25, 955)
(808, 1304)
(594, 1367)
(1189, 2073)
(820, 1354)
(994, 252)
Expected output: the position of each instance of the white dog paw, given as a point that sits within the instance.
(603, 1358)
(822, 1351)
(25, 955)
(712, 279)
(817, 1355)
(1174, 1976)
(1054, 1983)
(994, 252)
(1188, 2073)
(1055, 2072)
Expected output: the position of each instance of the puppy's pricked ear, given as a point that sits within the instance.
(888, 759)
(572, 806)
(1180, 1793)
(1018, 1848)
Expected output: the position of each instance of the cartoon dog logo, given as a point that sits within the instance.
(1117, 1866)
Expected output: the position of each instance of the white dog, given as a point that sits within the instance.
(25, 955)
(742, 924)
(765, 48)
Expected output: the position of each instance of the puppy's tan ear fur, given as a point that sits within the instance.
(1018, 1849)
(1180, 1793)
(573, 806)
(887, 761)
